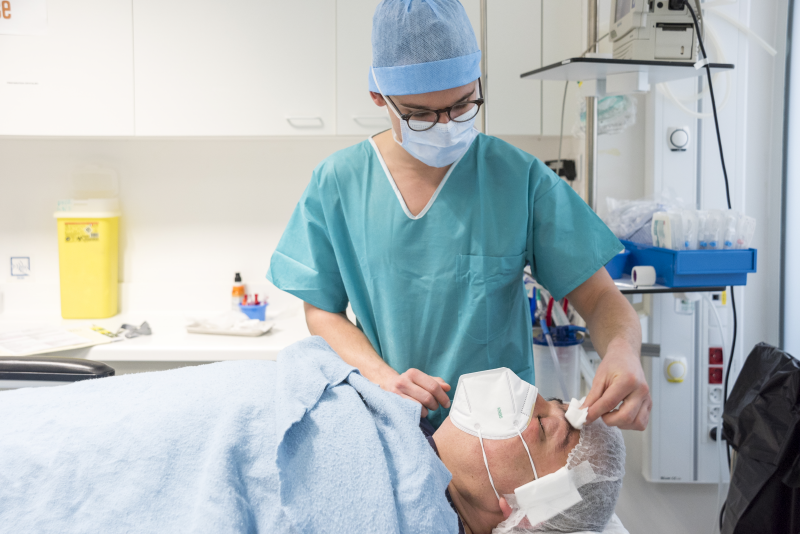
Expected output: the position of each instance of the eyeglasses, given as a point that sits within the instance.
(425, 119)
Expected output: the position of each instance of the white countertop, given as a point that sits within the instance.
(170, 342)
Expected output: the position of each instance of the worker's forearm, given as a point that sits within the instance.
(614, 325)
(348, 341)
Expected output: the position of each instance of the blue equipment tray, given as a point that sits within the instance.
(694, 268)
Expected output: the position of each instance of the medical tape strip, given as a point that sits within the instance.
(702, 63)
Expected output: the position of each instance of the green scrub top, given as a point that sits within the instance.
(441, 291)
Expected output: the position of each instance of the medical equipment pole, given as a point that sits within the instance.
(590, 163)
(484, 63)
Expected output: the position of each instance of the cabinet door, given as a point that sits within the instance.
(77, 79)
(357, 114)
(240, 67)
(562, 38)
(514, 105)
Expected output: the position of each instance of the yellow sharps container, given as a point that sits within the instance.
(88, 256)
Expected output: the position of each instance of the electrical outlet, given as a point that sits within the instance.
(715, 375)
(715, 414)
(715, 355)
(715, 395)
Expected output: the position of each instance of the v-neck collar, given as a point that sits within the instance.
(399, 196)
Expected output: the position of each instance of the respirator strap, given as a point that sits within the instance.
(535, 476)
(486, 462)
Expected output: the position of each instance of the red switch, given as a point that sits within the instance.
(715, 375)
(715, 355)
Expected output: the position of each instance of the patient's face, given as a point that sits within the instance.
(549, 437)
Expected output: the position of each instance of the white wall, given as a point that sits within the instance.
(194, 211)
(791, 334)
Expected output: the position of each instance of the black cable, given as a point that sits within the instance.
(728, 372)
(713, 103)
(728, 197)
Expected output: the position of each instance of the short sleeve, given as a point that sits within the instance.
(567, 242)
(304, 264)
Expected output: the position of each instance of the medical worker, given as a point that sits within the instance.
(425, 230)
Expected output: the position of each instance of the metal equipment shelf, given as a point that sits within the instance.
(625, 287)
(579, 69)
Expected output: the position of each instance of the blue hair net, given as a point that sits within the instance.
(419, 46)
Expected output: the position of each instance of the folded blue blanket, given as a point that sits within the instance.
(304, 444)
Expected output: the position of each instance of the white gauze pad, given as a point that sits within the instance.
(575, 415)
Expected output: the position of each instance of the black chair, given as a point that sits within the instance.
(761, 422)
(36, 371)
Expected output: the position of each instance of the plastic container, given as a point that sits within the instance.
(616, 267)
(257, 311)
(566, 340)
(88, 246)
(694, 268)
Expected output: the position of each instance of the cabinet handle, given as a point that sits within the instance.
(371, 122)
(305, 122)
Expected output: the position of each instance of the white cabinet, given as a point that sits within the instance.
(356, 114)
(563, 37)
(77, 79)
(240, 67)
(514, 105)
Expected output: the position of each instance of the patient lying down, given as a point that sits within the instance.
(596, 454)
(304, 444)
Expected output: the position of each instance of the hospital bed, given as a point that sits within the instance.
(43, 371)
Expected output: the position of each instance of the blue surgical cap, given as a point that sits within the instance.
(419, 46)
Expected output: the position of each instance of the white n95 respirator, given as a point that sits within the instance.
(494, 404)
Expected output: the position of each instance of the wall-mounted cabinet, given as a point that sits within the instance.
(356, 113)
(234, 68)
(514, 106)
(248, 68)
(76, 79)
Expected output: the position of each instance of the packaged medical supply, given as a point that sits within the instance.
(729, 228)
(745, 230)
(575, 414)
(712, 230)
(689, 227)
(232, 323)
(88, 245)
(615, 114)
(667, 230)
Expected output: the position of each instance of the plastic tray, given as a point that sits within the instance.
(694, 268)
(616, 266)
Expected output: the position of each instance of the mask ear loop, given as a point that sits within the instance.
(486, 462)
(535, 476)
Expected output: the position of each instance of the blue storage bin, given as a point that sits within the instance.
(694, 268)
(255, 312)
(616, 267)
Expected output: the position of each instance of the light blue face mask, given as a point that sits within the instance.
(440, 146)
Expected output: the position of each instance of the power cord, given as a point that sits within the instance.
(728, 197)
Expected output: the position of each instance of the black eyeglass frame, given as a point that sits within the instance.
(407, 116)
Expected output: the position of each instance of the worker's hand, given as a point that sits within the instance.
(430, 391)
(620, 378)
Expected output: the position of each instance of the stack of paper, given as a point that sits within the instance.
(28, 340)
